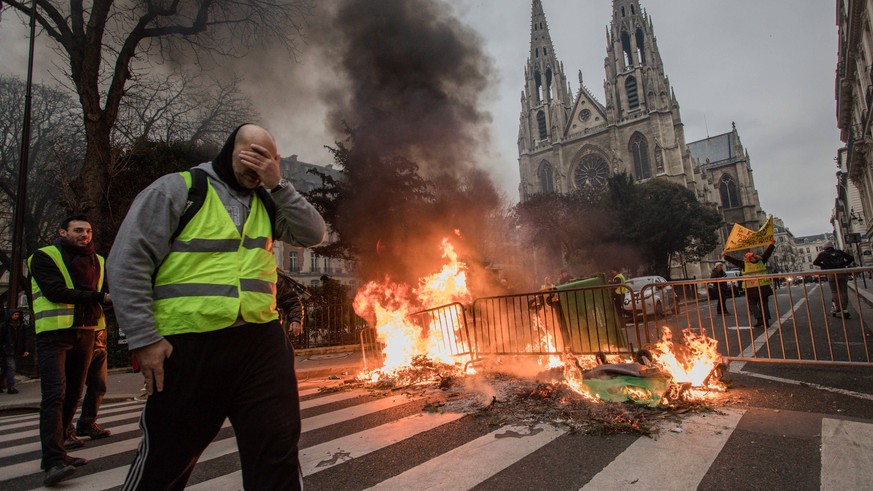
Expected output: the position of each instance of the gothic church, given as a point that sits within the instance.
(568, 142)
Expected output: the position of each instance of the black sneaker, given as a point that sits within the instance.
(93, 430)
(75, 461)
(57, 474)
(73, 441)
(12, 390)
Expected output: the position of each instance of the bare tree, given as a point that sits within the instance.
(57, 145)
(107, 42)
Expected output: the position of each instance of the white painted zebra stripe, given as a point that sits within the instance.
(475, 461)
(675, 461)
(34, 446)
(309, 424)
(11, 422)
(34, 430)
(348, 413)
(846, 448)
(335, 452)
(328, 399)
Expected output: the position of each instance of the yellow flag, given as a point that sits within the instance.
(743, 238)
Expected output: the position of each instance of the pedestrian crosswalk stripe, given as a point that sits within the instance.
(334, 417)
(13, 422)
(846, 448)
(329, 399)
(683, 455)
(335, 452)
(34, 432)
(463, 467)
(677, 459)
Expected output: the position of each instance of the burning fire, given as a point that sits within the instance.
(692, 361)
(391, 303)
(412, 338)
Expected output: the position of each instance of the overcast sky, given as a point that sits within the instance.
(766, 65)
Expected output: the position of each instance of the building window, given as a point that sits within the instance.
(327, 265)
(313, 262)
(538, 86)
(626, 47)
(294, 265)
(639, 148)
(633, 98)
(547, 178)
(728, 190)
(641, 45)
(541, 123)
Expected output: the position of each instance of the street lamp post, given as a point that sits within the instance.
(21, 193)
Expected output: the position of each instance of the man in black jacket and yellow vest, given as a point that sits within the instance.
(68, 289)
(199, 312)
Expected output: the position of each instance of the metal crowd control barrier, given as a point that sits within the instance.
(453, 335)
(802, 329)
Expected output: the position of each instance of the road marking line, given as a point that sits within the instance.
(674, 461)
(846, 447)
(335, 452)
(463, 467)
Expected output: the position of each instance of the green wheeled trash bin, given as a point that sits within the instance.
(588, 320)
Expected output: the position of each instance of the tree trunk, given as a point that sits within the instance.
(89, 186)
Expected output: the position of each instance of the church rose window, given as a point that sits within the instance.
(592, 172)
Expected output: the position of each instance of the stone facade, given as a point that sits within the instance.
(570, 142)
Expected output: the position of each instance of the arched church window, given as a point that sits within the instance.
(639, 149)
(548, 90)
(547, 177)
(626, 47)
(541, 123)
(622, 11)
(641, 45)
(633, 98)
(538, 85)
(728, 190)
(632, 10)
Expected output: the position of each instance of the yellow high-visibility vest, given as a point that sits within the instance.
(213, 274)
(752, 269)
(620, 278)
(51, 316)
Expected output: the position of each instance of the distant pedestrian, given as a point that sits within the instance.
(290, 304)
(758, 292)
(68, 293)
(719, 290)
(618, 293)
(564, 277)
(199, 311)
(15, 340)
(832, 258)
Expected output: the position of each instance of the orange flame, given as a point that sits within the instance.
(689, 362)
(392, 303)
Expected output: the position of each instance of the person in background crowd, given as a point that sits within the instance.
(564, 277)
(720, 290)
(198, 306)
(290, 303)
(68, 293)
(758, 292)
(14, 341)
(618, 293)
(833, 258)
(95, 383)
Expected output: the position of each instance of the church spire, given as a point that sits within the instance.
(634, 70)
(547, 99)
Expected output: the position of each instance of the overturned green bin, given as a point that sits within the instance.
(588, 320)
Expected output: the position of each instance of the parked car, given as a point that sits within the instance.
(654, 301)
(735, 285)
